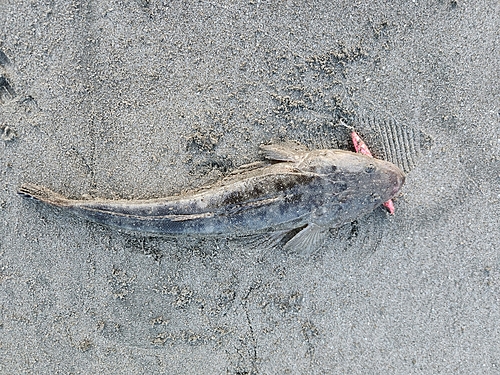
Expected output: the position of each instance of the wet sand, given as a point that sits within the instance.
(153, 98)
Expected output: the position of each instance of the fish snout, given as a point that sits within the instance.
(397, 179)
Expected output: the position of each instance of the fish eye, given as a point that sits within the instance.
(370, 169)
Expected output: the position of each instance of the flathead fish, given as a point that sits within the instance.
(295, 195)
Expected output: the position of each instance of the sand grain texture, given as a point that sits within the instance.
(152, 98)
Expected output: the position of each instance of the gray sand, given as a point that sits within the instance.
(146, 100)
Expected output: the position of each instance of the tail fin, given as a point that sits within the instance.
(43, 194)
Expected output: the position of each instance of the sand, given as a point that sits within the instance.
(150, 98)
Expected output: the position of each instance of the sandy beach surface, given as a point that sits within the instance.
(147, 99)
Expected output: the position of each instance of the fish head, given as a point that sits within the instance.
(364, 181)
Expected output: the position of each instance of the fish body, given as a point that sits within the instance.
(292, 190)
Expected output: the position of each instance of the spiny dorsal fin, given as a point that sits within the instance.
(287, 151)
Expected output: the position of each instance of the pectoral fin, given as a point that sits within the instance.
(283, 152)
(303, 240)
(306, 241)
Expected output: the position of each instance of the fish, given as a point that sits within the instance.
(294, 196)
(361, 147)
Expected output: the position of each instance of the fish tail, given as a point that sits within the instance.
(43, 194)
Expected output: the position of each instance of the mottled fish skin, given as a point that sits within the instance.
(293, 188)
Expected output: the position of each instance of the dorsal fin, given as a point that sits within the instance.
(288, 151)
